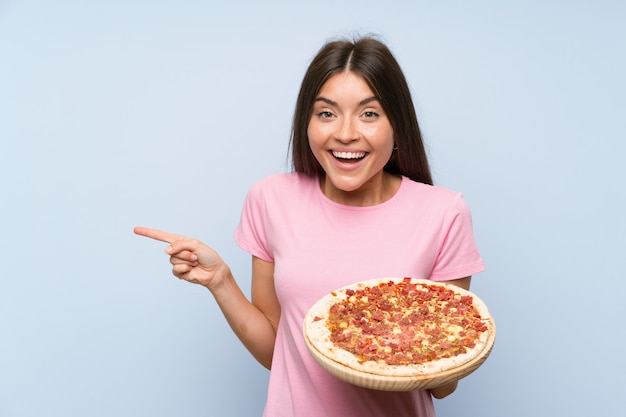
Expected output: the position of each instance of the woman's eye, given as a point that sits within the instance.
(370, 114)
(325, 114)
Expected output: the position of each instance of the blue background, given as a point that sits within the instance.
(162, 113)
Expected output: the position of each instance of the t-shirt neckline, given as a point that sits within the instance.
(328, 201)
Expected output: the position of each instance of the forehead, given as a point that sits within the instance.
(346, 84)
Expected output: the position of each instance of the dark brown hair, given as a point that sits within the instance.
(373, 61)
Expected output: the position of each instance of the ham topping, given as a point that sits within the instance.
(404, 323)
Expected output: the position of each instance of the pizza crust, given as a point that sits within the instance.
(319, 341)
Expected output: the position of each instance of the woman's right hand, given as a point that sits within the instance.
(192, 260)
(254, 324)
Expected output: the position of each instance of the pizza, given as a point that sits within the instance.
(399, 327)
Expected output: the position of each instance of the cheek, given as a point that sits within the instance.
(385, 140)
(314, 144)
(387, 146)
(314, 137)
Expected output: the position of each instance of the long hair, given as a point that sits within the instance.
(373, 61)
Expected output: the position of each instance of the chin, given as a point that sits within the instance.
(347, 186)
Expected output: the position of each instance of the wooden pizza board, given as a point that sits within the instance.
(419, 381)
(402, 383)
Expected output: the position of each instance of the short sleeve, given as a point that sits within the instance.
(458, 255)
(251, 232)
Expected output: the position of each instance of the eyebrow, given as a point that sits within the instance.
(334, 103)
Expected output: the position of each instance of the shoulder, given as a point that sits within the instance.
(283, 181)
(281, 185)
(434, 201)
(433, 194)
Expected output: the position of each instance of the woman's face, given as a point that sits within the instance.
(352, 139)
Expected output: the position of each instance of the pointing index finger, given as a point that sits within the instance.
(158, 234)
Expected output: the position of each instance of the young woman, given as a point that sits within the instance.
(360, 204)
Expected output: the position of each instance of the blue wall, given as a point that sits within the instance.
(163, 113)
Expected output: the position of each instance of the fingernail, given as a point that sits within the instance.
(168, 249)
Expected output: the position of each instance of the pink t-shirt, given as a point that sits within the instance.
(318, 245)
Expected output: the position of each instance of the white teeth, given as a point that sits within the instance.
(349, 155)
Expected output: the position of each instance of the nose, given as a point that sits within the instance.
(346, 130)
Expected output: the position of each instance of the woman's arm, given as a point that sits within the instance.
(447, 389)
(254, 322)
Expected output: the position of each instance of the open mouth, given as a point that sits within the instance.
(349, 156)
